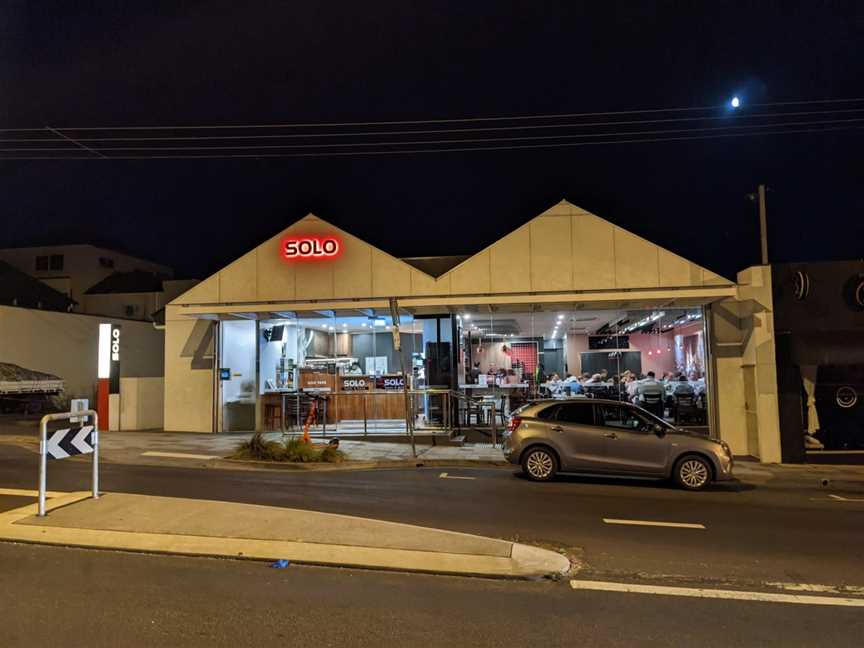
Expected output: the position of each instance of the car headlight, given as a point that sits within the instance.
(726, 449)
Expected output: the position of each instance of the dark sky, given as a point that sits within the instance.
(74, 64)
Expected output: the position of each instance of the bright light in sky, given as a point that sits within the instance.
(735, 102)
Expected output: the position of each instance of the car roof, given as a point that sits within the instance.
(593, 401)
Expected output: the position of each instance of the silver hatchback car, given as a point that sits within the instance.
(597, 436)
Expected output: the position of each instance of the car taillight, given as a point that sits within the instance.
(513, 423)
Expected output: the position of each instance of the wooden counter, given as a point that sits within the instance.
(370, 397)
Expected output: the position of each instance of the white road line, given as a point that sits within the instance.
(676, 525)
(179, 455)
(838, 498)
(446, 476)
(698, 592)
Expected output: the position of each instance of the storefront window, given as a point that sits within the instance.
(467, 370)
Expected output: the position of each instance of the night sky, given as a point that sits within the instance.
(77, 64)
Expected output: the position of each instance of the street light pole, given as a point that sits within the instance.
(763, 224)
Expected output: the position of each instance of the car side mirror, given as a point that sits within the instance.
(659, 430)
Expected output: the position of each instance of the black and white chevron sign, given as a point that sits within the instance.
(71, 441)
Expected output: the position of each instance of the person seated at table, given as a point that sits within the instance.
(555, 378)
(683, 387)
(649, 394)
(572, 385)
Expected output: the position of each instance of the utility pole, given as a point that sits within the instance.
(763, 224)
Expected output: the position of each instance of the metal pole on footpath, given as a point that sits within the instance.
(43, 465)
(67, 442)
(95, 456)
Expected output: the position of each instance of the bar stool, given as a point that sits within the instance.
(474, 408)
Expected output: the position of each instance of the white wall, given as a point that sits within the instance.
(141, 403)
(66, 344)
(189, 378)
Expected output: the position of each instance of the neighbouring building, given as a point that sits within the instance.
(40, 334)
(100, 281)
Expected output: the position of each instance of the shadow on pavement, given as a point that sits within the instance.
(732, 486)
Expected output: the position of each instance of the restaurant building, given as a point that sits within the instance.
(309, 313)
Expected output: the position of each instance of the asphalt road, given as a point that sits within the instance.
(753, 533)
(69, 597)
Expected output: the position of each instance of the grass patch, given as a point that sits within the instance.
(293, 450)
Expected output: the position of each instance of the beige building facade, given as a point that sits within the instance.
(566, 268)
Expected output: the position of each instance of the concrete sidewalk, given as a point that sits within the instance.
(232, 530)
(165, 448)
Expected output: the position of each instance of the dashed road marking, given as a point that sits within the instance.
(444, 475)
(698, 592)
(839, 498)
(178, 455)
(676, 525)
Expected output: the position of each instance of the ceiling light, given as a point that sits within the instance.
(467, 316)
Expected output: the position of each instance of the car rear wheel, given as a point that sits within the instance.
(540, 464)
(692, 472)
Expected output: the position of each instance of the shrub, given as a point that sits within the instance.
(294, 450)
(258, 448)
(299, 451)
(332, 455)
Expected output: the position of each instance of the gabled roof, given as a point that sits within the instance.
(134, 281)
(20, 289)
(435, 266)
(563, 250)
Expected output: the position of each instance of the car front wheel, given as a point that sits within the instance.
(692, 472)
(540, 464)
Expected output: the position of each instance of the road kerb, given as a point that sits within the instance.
(524, 562)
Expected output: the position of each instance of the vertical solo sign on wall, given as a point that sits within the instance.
(108, 369)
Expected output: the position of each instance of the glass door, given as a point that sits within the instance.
(237, 375)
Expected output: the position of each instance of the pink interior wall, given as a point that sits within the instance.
(659, 363)
(647, 343)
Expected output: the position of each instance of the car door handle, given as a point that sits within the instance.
(610, 435)
(557, 428)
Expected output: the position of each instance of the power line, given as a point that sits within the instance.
(440, 142)
(439, 120)
(440, 130)
(437, 150)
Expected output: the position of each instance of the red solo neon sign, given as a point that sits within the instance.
(310, 247)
